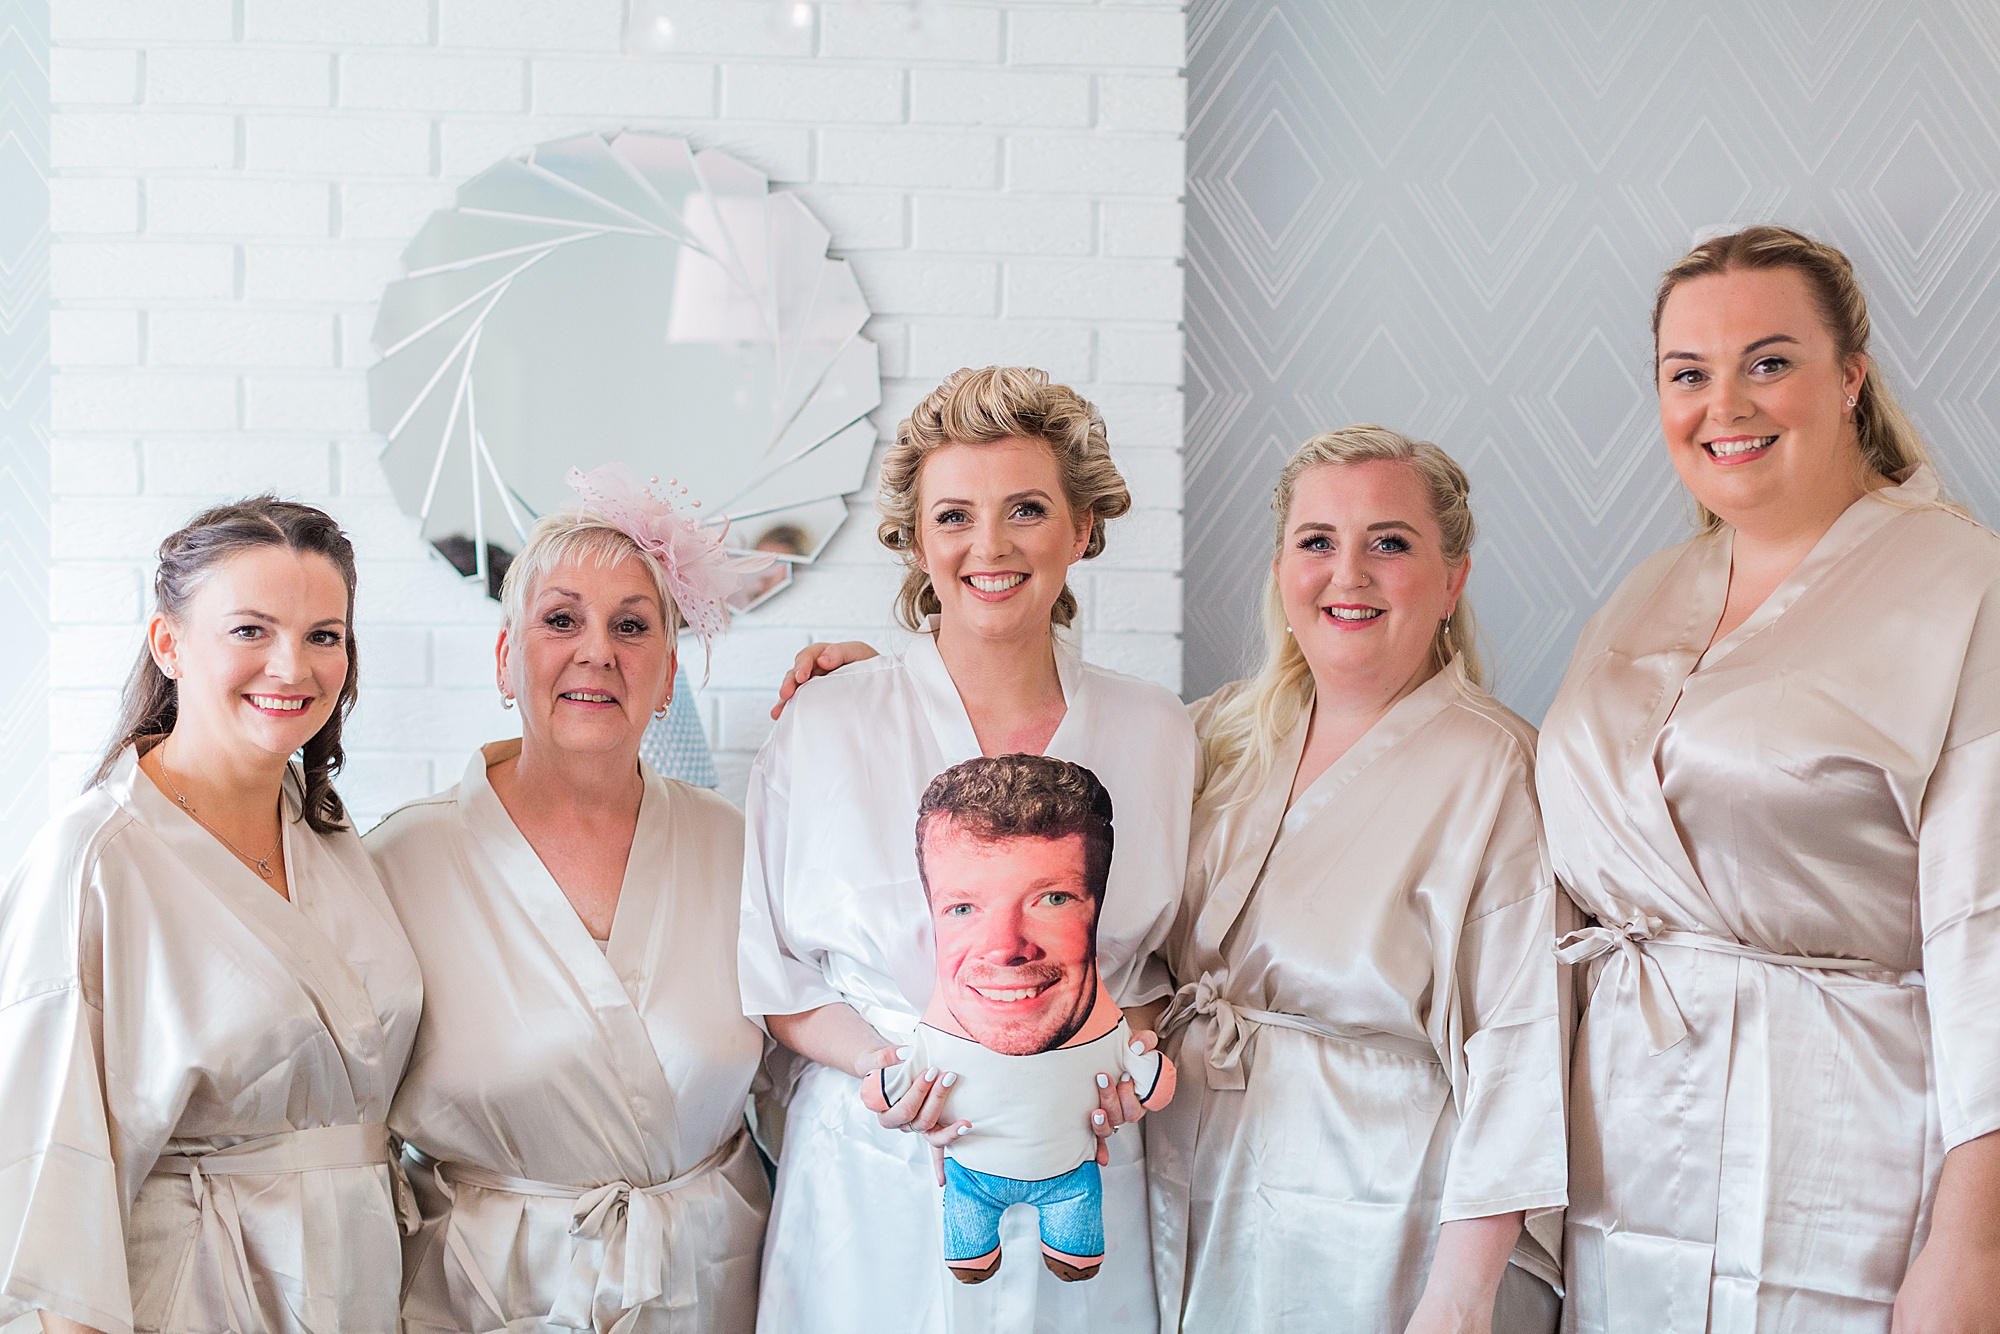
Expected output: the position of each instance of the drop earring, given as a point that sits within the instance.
(664, 709)
(506, 700)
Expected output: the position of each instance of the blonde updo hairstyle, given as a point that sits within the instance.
(1890, 445)
(1243, 735)
(977, 407)
(575, 536)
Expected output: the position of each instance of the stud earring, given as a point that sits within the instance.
(1852, 400)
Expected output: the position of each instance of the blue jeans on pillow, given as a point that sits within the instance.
(1070, 1208)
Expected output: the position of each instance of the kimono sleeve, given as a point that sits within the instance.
(1958, 890)
(1510, 1151)
(774, 975)
(62, 1224)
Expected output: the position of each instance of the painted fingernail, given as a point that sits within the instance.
(1138, 1048)
(903, 1053)
(1103, 1082)
(964, 1128)
(950, 1079)
(930, 1072)
(1124, 1079)
(1097, 1118)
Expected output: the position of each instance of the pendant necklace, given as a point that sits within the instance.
(262, 864)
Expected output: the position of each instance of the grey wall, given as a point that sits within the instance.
(1447, 216)
(24, 423)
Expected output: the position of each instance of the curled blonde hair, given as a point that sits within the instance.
(1243, 736)
(1890, 445)
(977, 407)
(574, 536)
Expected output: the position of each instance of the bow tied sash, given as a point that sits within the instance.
(1634, 936)
(310, 1150)
(1230, 1027)
(632, 1247)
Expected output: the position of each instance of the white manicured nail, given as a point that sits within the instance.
(1138, 1047)
(903, 1053)
(963, 1129)
(1103, 1082)
(1097, 1118)
(950, 1079)
(930, 1072)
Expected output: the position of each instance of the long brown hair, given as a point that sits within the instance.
(1890, 445)
(152, 699)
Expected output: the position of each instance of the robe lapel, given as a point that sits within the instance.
(591, 970)
(943, 709)
(1266, 819)
(284, 928)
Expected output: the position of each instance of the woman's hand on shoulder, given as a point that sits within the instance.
(818, 659)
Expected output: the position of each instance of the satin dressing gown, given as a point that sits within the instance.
(578, 1109)
(197, 1075)
(1790, 840)
(833, 911)
(1367, 1029)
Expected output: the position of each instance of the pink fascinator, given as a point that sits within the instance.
(702, 574)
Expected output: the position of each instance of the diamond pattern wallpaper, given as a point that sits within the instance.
(1447, 216)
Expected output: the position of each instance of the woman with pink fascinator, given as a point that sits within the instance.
(573, 1109)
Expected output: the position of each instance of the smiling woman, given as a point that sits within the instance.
(197, 1070)
(1771, 776)
(575, 915)
(999, 481)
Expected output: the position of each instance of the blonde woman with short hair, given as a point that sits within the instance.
(574, 1106)
(1772, 775)
(997, 484)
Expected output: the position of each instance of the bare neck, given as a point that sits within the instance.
(1010, 688)
(544, 786)
(230, 785)
(1345, 708)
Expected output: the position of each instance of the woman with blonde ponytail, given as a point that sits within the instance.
(1371, 1104)
(1772, 776)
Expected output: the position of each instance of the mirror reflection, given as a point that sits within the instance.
(624, 298)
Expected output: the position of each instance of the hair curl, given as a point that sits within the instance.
(976, 407)
(1249, 726)
(1890, 444)
(151, 702)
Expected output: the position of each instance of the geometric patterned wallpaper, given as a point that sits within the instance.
(24, 423)
(1447, 216)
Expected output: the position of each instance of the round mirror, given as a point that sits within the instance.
(621, 298)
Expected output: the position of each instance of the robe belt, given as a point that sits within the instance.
(644, 1258)
(1231, 1027)
(1635, 939)
(312, 1150)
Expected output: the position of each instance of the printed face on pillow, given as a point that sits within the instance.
(1016, 933)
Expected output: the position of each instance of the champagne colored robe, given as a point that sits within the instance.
(833, 911)
(1756, 1141)
(608, 1084)
(1375, 1044)
(158, 999)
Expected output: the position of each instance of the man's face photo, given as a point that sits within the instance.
(1016, 934)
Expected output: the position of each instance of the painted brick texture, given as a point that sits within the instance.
(237, 178)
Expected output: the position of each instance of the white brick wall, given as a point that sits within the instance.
(236, 179)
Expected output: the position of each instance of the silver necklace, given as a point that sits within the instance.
(263, 863)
